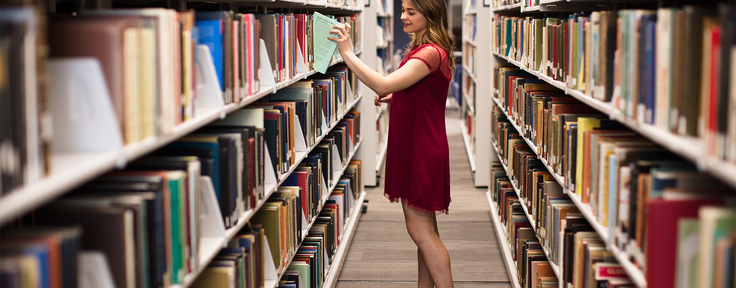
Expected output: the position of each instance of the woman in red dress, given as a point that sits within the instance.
(417, 160)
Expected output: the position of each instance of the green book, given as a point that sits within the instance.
(269, 216)
(716, 224)
(177, 231)
(303, 269)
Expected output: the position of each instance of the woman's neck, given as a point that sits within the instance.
(419, 35)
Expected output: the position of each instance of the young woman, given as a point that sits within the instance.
(417, 160)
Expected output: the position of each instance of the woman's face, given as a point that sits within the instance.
(414, 22)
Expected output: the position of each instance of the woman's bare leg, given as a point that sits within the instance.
(425, 279)
(432, 255)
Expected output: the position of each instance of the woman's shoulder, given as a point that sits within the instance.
(429, 49)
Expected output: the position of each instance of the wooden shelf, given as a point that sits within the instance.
(689, 148)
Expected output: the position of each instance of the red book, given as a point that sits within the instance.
(555, 52)
(248, 19)
(304, 184)
(661, 236)
(713, 109)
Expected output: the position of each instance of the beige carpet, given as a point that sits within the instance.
(383, 255)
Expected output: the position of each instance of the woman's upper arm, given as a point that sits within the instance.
(420, 64)
(408, 75)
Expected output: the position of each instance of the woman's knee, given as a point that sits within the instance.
(420, 235)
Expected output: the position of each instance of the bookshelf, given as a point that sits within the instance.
(70, 170)
(378, 19)
(475, 109)
(556, 268)
(500, 231)
(695, 150)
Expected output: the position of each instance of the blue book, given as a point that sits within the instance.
(211, 34)
(650, 74)
(206, 150)
(508, 38)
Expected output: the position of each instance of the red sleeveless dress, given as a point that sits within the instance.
(417, 159)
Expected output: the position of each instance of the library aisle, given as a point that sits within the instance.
(382, 253)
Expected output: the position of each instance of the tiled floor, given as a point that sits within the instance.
(383, 255)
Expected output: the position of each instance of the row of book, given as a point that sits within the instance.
(25, 157)
(500, 3)
(469, 57)
(241, 264)
(302, 257)
(384, 32)
(162, 191)
(558, 237)
(469, 26)
(618, 175)
(468, 90)
(521, 239)
(147, 219)
(668, 67)
(534, 208)
(149, 62)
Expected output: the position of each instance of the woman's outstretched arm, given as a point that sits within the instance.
(409, 74)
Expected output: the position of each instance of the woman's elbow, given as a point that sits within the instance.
(383, 89)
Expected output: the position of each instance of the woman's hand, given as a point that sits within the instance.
(343, 39)
(377, 100)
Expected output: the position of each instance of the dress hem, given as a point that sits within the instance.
(415, 207)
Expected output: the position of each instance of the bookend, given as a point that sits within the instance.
(93, 271)
(350, 145)
(300, 63)
(336, 165)
(324, 193)
(213, 227)
(305, 225)
(270, 274)
(340, 109)
(324, 124)
(301, 144)
(209, 92)
(265, 72)
(351, 97)
(271, 180)
(351, 200)
(83, 117)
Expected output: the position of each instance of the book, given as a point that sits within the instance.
(325, 49)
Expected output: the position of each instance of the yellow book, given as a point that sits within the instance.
(215, 277)
(147, 78)
(130, 71)
(584, 124)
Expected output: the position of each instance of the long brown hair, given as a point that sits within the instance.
(437, 28)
